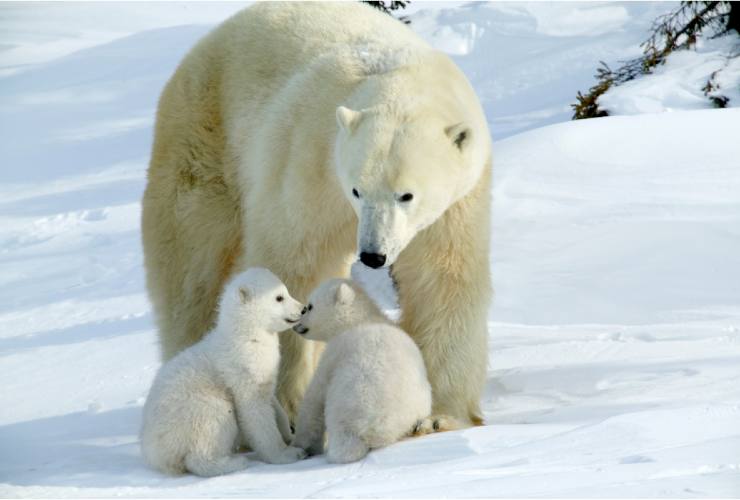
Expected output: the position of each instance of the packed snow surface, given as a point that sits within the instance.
(614, 334)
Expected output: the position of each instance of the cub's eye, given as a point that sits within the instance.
(279, 298)
(355, 193)
(310, 306)
(406, 197)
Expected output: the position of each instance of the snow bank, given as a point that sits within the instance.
(679, 83)
(625, 219)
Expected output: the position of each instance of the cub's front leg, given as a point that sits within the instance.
(311, 425)
(258, 423)
(283, 422)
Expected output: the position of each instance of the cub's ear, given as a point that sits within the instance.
(345, 294)
(348, 118)
(459, 134)
(245, 294)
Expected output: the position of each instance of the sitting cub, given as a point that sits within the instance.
(219, 393)
(370, 388)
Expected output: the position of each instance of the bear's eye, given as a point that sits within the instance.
(406, 197)
(279, 298)
(355, 193)
(310, 306)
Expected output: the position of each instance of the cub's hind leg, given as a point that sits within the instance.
(213, 441)
(209, 467)
(345, 446)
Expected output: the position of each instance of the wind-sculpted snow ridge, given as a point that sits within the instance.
(615, 329)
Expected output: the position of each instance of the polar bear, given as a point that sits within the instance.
(370, 388)
(301, 136)
(202, 398)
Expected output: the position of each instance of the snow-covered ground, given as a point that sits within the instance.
(614, 334)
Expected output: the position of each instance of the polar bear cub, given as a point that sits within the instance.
(370, 388)
(220, 392)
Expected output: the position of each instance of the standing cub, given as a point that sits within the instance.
(202, 398)
(370, 387)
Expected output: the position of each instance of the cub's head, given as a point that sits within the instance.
(257, 297)
(333, 307)
(402, 170)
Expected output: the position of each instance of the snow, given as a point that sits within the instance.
(528, 60)
(679, 82)
(615, 330)
(40, 33)
(634, 220)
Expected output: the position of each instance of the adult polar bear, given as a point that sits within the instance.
(297, 136)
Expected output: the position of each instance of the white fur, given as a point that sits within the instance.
(452, 161)
(220, 392)
(370, 388)
(263, 132)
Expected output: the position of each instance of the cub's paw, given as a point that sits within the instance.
(299, 443)
(289, 455)
(311, 450)
(315, 449)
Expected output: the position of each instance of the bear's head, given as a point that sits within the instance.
(257, 298)
(402, 167)
(334, 307)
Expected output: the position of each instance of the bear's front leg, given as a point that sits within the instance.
(444, 291)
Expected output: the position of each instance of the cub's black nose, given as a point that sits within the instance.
(374, 260)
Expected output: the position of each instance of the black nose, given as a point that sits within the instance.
(374, 260)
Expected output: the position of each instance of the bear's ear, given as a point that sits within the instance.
(348, 118)
(244, 294)
(459, 134)
(345, 294)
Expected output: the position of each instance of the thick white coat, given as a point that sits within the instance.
(370, 388)
(220, 393)
(264, 133)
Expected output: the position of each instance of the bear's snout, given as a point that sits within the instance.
(374, 260)
(300, 329)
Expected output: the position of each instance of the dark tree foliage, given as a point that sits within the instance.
(389, 7)
(677, 30)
